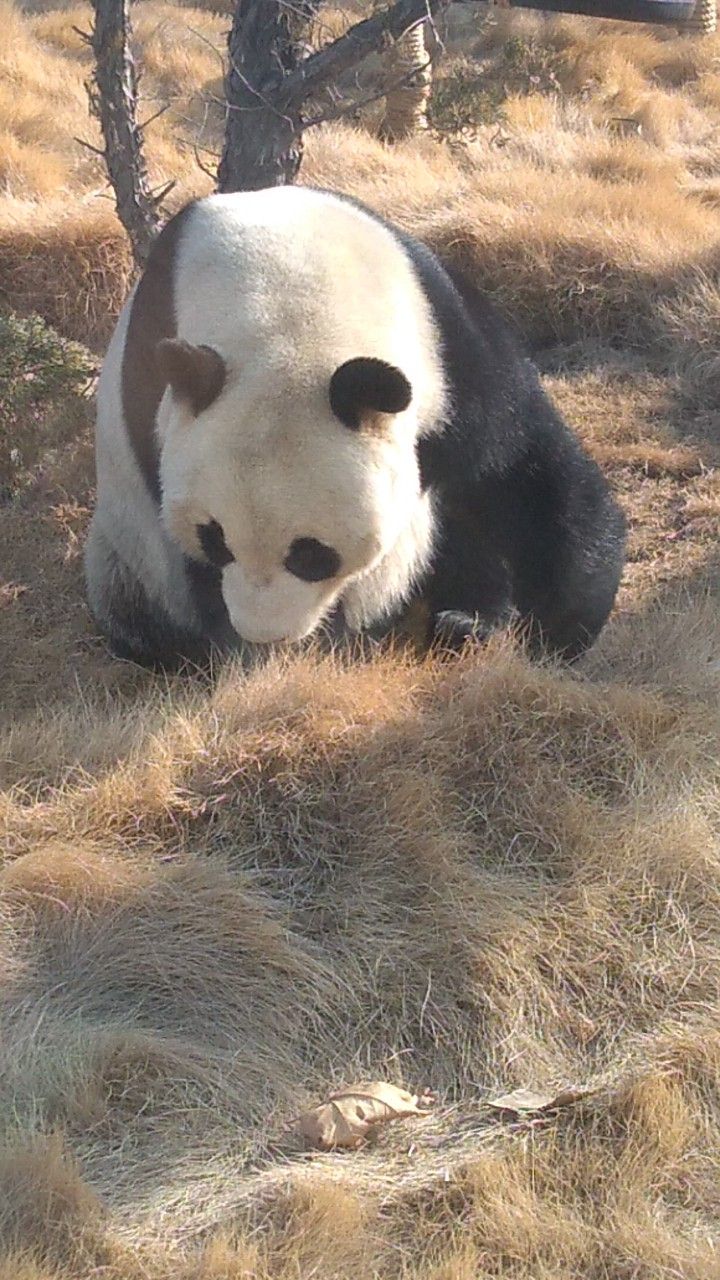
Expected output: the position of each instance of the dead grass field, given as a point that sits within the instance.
(219, 903)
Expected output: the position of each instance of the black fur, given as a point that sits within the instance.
(367, 385)
(196, 374)
(312, 561)
(527, 517)
(212, 542)
(141, 631)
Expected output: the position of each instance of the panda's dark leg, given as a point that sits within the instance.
(568, 549)
(139, 630)
(542, 544)
(565, 593)
(142, 633)
(469, 594)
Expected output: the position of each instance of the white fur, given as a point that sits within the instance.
(286, 285)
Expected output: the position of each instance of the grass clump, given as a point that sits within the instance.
(529, 66)
(464, 99)
(40, 371)
(472, 92)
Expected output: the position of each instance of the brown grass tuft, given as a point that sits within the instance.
(73, 267)
(479, 875)
(46, 1211)
(62, 252)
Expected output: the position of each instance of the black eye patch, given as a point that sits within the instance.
(311, 561)
(212, 541)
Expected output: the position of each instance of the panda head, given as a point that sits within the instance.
(294, 480)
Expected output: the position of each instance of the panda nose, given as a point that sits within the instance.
(312, 561)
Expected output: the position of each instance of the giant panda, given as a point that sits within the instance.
(306, 425)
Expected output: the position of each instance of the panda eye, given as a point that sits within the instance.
(311, 561)
(212, 541)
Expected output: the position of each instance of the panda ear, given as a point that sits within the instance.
(366, 385)
(196, 374)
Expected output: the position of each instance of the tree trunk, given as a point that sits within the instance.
(263, 133)
(272, 84)
(408, 66)
(113, 99)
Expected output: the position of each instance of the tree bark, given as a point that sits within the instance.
(113, 99)
(408, 66)
(270, 85)
(263, 131)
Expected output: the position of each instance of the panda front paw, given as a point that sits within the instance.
(451, 631)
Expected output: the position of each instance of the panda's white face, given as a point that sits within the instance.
(291, 503)
(308, 367)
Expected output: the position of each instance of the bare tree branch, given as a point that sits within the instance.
(203, 167)
(274, 91)
(113, 99)
(96, 151)
(348, 106)
(328, 64)
(270, 84)
(155, 116)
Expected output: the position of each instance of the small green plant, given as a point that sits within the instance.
(37, 365)
(527, 66)
(472, 94)
(463, 99)
(40, 372)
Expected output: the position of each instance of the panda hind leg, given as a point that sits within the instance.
(470, 592)
(568, 554)
(541, 547)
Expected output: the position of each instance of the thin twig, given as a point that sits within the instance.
(211, 173)
(96, 151)
(158, 195)
(328, 64)
(350, 105)
(155, 116)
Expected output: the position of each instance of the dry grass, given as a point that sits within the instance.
(480, 875)
(582, 228)
(62, 251)
(219, 902)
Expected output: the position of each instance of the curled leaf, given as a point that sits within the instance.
(348, 1116)
(527, 1101)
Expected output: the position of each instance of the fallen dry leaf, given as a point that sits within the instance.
(347, 1116)
(524, 1101)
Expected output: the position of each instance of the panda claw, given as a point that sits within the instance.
(452, 631)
